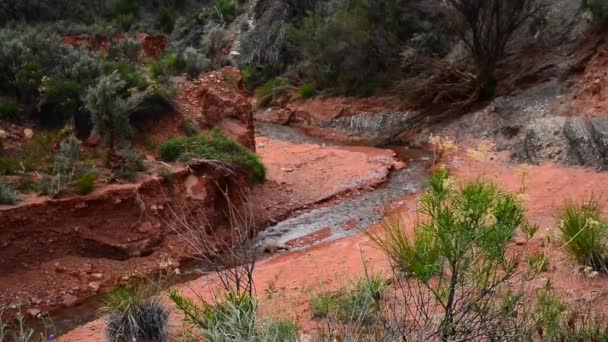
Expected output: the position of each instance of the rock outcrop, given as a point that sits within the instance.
(570, 140)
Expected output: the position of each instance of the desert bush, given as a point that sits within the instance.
(214, 146)
(306, 91)
(86, 183)
(171, 149)
(133, 314)
(8, 109)
(7, 195)
(271, 91)
(216, 39)
(598, 8)
(486, 28)
(127, 164)
(65, 167)
(167, 65)
(166, 19)
(63, 96)
(357, 302)
(584, 234)
(225, 10)
(194, 62)
(127, 50)
(457, 269)
(110, 108)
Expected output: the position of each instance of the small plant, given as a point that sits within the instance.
(166, 19)
(86, 183)
(538, 262)
(131, 162)
(214, 146)
(133, 315)
(8, 196)
(584, 234)
(356, 302)
(171, 149)
(8, 109)
(442, 147)
(270, 91)
(306, 91)
(225, 10)
(190, 127)
(195, 62)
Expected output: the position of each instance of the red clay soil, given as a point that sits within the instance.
(152, 46)
(285, 283)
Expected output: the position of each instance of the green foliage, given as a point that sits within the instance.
(8, 196)
(271, 91)
(166, 19)
(65, 166)
(214, 146)
(225, 11)
(538, 262)
(86, 183)
(122, 7)
(171, 149)
(61, 95)
(306, 91)
(455, 257)
(131, 165)
(357, 302)
(597, 7)
(127, 50)
(8, 109)
(110, 108)
(195, 62)
(132, 314)
(128, 72)
(167, 65)
(584, 234)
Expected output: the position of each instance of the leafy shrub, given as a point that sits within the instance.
(597, 7)
(171, 149)
(458, 252)
(7, 195)
(132, 315)
(167, 65)
(8, 109)
(271, 91)
(110, 108)
(584, 234)
(63, 96)
(166, 19)
(538, 262)
(127, 50)
(86, 183)
(357, 302)
(131, 163)
(306, 91)
(225, 10)
(215, 146)
(194, 62)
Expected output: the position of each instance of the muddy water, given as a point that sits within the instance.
(350, 216)
(335, 221)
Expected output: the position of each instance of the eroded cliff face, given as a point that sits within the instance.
(217, 99)
(152, 46)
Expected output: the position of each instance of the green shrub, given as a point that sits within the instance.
(596, 7)
(63, 96)
(271, 91)
(194, 62)
(166, 19)
(86, 183)
(584, 234)
(306, 91)
(281, 330)
(8, 109)
(225, 10)
(8, 196)
(171, 149)
(215, 146)
(132, 163)
(538, 262)
(26, 183)
(125, 7)
(356, 303)
(168, 65)
(125, 21)
(456, 261)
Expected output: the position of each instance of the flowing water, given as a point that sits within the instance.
(363, 211)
